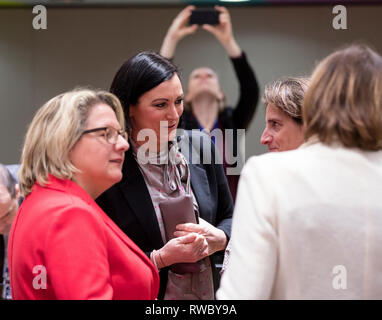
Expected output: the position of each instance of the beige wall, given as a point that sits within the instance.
(87, 46)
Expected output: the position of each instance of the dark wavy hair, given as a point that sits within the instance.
(139, 74)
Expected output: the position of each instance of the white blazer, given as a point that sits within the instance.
(307, 225)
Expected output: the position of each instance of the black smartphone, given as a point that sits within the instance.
(204, 16)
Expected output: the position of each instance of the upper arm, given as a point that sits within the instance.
(248, 93)
(254, 248)
(76, 255)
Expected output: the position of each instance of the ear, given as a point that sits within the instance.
(187, 97)
(17, 189)
(131, 111)
(221, 95)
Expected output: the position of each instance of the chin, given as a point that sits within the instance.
(115, 178)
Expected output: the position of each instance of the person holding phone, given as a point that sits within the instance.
(205, 105)
(159, 171)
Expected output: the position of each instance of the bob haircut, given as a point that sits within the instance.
(140, 74)
(53, 132)
(287, 94)
(344, 99)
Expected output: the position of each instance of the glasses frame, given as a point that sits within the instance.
(120, 132)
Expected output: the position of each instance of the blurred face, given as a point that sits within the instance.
(158, 109)
(281, 132)
(202, 81)
(100, 162)
(8, 209)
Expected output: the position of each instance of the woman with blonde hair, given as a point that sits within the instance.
(62, 245)
(283, 100)
(308, 223)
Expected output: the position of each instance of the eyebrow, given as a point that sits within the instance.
(274, 120)
(165, 99)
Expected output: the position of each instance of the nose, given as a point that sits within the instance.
(122, 144)
(172, 114)
(265, 138)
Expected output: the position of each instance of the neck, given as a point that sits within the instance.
(206, 109)
(94, 194)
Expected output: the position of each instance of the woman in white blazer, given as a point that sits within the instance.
(308, 222)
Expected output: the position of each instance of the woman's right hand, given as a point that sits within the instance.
(189, 248)
(177, 31)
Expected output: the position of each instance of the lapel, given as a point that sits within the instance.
(136, 194)
(125, 239)
(199, 180)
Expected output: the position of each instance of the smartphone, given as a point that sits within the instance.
(204, 16)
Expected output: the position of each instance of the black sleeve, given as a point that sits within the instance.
(249, 92)
(224, 199)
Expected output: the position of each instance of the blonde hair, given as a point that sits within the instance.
(287, 94)
(344, 100)
(53, 132)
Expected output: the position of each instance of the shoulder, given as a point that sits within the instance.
(281, 163)
(60, 205)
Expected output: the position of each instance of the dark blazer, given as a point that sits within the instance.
(129, 204)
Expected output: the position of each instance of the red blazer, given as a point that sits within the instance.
(60, 234)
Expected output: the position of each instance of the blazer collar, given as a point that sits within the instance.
(135, 192)
(72, 188)
(66, 185)
(199, 180)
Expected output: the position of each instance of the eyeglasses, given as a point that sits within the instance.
(110, 134)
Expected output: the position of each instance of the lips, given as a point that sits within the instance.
(172, 126)
(119, 161)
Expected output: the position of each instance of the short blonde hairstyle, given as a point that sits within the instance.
(53, 132)
(344, 100)
(287, 94)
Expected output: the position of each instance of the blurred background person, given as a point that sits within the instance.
(308, 223)
(9, 203)
(151, 94)
(62, 245)
(284, 130)
(205, 102)
(283, 100)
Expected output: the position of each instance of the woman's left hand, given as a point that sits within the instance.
(216, 238)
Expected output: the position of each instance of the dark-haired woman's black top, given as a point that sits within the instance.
(233, 118)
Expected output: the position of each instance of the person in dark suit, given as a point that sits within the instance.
(9, 203)
(161, 166)
(73, 151)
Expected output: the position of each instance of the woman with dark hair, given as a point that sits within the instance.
(158, 170)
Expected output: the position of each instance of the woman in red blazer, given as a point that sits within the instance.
(62, 245)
